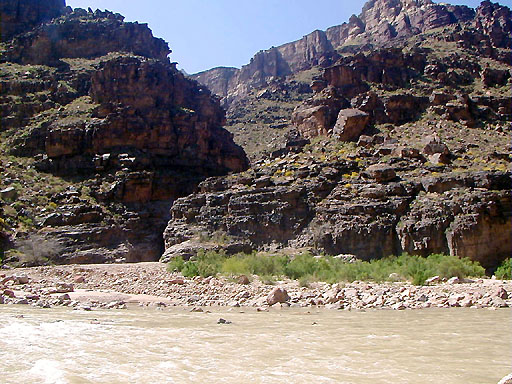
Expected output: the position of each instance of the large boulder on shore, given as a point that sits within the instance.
(278, 295)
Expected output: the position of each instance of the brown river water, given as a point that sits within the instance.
(281, 346)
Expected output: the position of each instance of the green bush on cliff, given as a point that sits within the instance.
(504, 271)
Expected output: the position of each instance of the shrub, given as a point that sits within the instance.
(176, 264)
(446, 266)
(504, 271)
(307, 268)
(209, 263)
(236, 265)
(301, 266)
(190, 269)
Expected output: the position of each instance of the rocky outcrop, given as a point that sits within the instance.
(20, 16)
(325, 207)
(385, 20)
(352, 78)
(83, 34)
(350, 124)
(124, 130)
(218, 80)
(381, 21)
(317, 116)
(154, 136)
(495, 22)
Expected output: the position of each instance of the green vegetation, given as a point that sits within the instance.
(307, 268)
(504, 271)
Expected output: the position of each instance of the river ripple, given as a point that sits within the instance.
(281, 346)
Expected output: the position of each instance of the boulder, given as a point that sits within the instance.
(350, 124)
(501, 293)
(433, 145)
(21, 279)
(64, 287)
(8, 193)
(439, 158)
(440, 98)
(381, 173)
(278, 295)
(506, 380)
(495, 77)
(243, 279)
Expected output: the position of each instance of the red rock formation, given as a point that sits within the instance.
(20, 16)
(126, 125)
(495, 21)
(380, 21)
(87, 35)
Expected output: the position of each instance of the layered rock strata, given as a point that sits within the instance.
(329, 208)
(94, 101)
(381, 22)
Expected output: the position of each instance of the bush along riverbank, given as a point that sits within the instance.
(308, 268)
(261, 282)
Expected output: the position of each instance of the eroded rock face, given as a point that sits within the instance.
(123, 122)
(20, 16)
(406, 18)
(495, 21)
(83, 34)
(381, 21)
(370, 216)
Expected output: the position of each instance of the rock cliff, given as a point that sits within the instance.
(398, 141)
(339, 207)
(111, 132)
(381, 21)
(17, 16)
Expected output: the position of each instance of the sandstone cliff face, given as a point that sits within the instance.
(381, 21)
(17, 16)
(123, 130)
(323, 210)
(401, 147)
(83, 34)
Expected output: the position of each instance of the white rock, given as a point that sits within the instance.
(454, 280)
(432, 280)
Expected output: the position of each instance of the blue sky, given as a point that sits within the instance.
(209, 33)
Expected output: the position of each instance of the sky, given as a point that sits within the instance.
(204, 34)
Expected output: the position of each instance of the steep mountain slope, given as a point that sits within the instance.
(381, 21)
(99, 135)
(398, 141)
(440, 30)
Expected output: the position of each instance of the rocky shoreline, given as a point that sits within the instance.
(118, 286)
